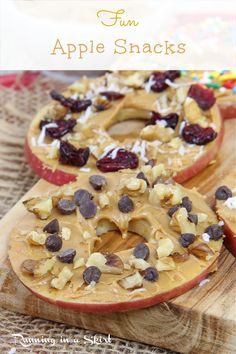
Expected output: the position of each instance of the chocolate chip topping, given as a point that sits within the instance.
(150, 274)
(193, 218)
(223, 193)
(187, 204)
(141, 251)
(92, 273)
(53, 243)
(52, 227)
(67, 256)
(125, 204)
(66, 206)
(141, 175)
(88, 209)
(97, 182)
(81, 196)
(186, 239)
(151, 163)
(172, 210)
(214, 231)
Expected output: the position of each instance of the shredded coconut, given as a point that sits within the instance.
(85, 169)
(231, 203)
(114, 153)
(139, 147)
(147, 85)
(206, 237)
(85, 116)
(204, 282)
(182, 150)
(175, 85)
(161, 122)
(33, 141)
(221, 223)
(107, 149)
(162, 110)
(42, 135)
(181, 127)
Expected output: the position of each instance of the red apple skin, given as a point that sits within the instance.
(228, 111)
(60, 177)
(129, 305)
(230, 240)
(203, 161)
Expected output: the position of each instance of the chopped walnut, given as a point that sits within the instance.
(180, 222)
(103, 200)
(166, 194)
(157, 132)
(42, 208)
(133, 186)
(80, 262)
(65, 233)
(36, 238)
(133, 281)
(138, 263)
(63, 277)
(106, 262)
(201, 250)
(165, 248)
(193, 113)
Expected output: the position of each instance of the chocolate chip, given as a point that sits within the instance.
(172, 210)
(141, 251)
(125, 204)
(67, 256)
(186, 239)
(91, 273)
(52, 227)
(53, 243)
(150, 274)
(151, 163)
(66, 206)
(81, 196)
(187, 204)
(141, 175)
(193, 218)
(214, 231)
(97, 182)
(223, 193)
(88, 209)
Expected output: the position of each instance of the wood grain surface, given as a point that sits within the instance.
(201, 321)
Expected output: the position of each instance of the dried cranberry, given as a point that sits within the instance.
(63, 127)
(202, 95)
(159, 79)
(112, 95)
(69, 155)
(195, 134)
(170, 119)
(71, 103)
(124, 159)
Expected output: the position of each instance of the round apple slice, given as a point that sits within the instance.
(225, 205)
(53, 249)
(91, 128)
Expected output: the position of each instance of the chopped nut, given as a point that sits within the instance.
(181, 94)
(63, 277)
(165, 263)
(133, 281)
(103, 200)
(202, 217)
(202, 251)
(165, 193)
(45, 266)
(29, 266)
(135, 80)
(133, 186)
(180, 222)
(180, 257)
(86, 235)
(38, 267)
(42, 208)
(65, 233)
(158, 170)
(175, 143)
(79, 263)
(36, 238)
(138, 263)
(157, 132)
(106, 262)
(192, 110)
(165, 248)
(52, 152)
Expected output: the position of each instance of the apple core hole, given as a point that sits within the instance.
(128, 129)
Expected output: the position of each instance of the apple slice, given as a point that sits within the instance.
(225, 206)
(66, 271)
(161, 139)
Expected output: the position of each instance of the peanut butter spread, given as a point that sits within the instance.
(226, 207)
(178, 123)
(52, 248)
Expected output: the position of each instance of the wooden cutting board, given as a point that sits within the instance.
(201, 321)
